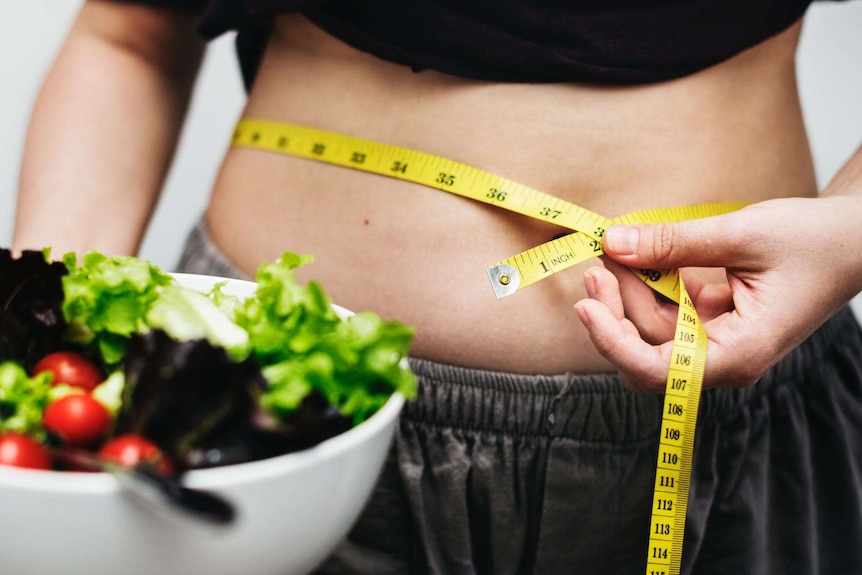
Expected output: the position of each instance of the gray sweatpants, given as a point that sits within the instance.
(499, 473)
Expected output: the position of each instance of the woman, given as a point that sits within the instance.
(524, 452)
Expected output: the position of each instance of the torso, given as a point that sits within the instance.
(733, 132)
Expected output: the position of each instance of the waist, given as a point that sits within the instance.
(597, 408)
(419, 254)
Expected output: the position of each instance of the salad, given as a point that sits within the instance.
(114, 356)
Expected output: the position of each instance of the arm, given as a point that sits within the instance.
(790, 263)
(104, 128)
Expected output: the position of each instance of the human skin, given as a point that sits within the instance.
(790, 265)
(104, 128)
(733, 132)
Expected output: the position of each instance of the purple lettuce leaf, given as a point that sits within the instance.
(202, 408)
(31, 299)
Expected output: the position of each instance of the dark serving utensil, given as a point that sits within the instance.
(165, 492)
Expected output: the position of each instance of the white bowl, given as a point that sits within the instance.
(293, 509)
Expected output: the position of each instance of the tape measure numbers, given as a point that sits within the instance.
(685, 375)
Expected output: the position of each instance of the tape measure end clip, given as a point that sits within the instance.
(505, 280)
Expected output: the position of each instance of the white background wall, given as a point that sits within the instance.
(830, 70)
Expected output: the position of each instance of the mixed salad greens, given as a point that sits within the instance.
(111, 354)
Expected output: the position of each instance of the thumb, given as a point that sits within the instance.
(706, 242)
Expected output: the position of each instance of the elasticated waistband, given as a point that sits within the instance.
(594, 407)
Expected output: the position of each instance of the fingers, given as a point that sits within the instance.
(603, 286)
(637, 337)
(752, 320)
(641, 366)
(710, 299)
(719, 241)
(654, 315)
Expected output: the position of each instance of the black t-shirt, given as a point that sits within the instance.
(607, 42)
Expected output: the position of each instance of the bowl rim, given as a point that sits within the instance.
(222, 476)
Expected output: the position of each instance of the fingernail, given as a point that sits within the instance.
(622, 240)
(583, 316)
(590, 283)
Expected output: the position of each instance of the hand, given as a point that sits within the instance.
(790, 264)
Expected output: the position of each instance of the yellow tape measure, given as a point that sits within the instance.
(682, 391)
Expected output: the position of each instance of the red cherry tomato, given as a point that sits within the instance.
(78, 419)
(19, 450)
(70, 368)
(130, 450)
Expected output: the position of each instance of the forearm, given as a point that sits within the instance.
(848, 180)
(843, 195)
(104, 128)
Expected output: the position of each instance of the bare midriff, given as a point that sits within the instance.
(733, 132)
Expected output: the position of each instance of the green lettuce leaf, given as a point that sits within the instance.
(22, 399)
(110, 392)
(185, 315)
(107, 300)
(228, 304)
(354, 363)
